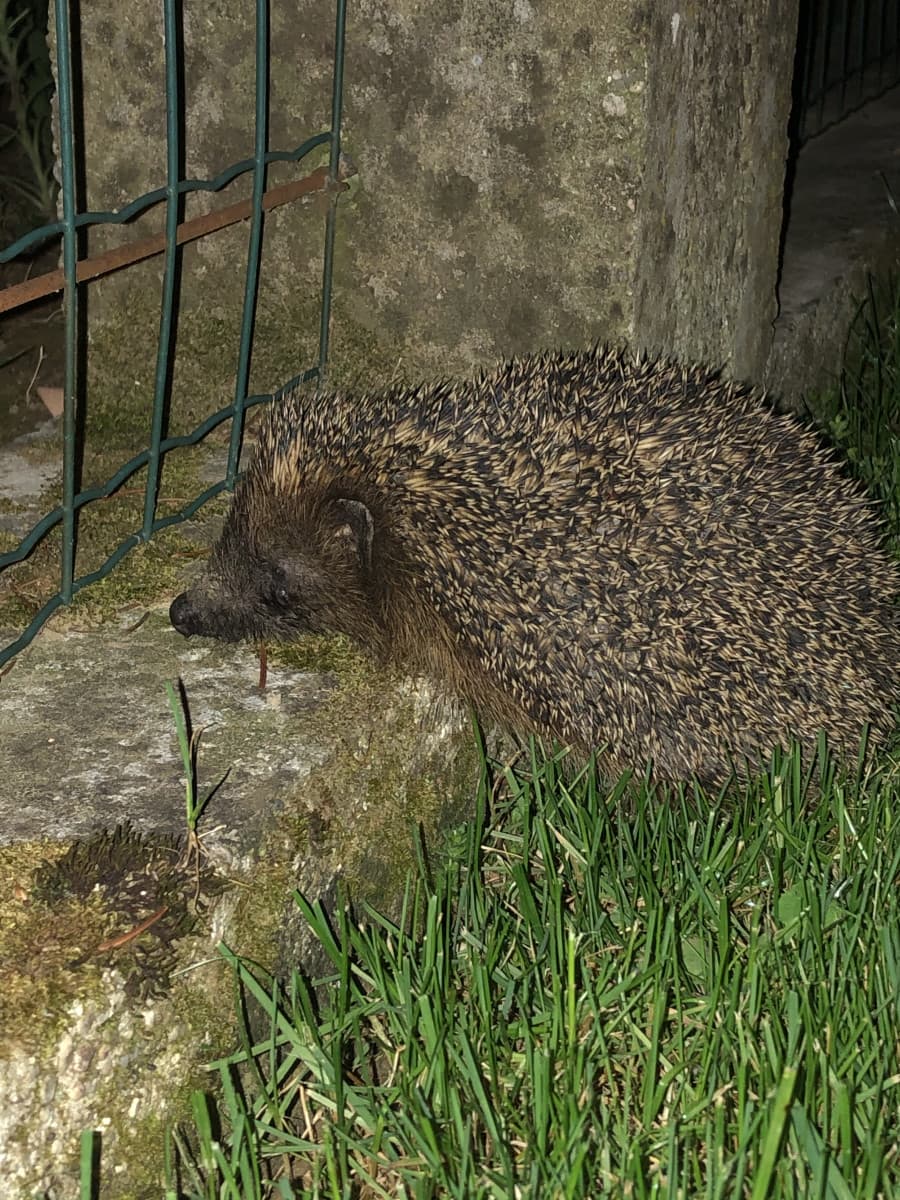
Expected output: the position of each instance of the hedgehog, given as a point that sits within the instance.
(627, 556)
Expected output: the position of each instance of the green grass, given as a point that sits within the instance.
(861, 416)
(608, 992)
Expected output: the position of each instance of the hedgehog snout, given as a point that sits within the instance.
(184, 616)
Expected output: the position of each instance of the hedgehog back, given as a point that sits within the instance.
(638, 554)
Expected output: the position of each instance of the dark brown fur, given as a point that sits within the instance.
(608, 551)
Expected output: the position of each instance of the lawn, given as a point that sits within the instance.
(606, 991)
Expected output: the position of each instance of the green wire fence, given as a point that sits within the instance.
(173, 194)
(848, 53)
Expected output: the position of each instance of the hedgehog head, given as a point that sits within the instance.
(284, 566)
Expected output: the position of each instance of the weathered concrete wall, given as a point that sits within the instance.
(807, 352)
(499, 156)
(499, 175)
(528, 175)
(719, 97)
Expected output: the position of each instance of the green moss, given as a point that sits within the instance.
(143, 1143)
(134, 876)
(206, 1021)
(259, 909)
(148, 571)
(320, 655)
(152, 569)
(285, 343)
(47, 944)
(404, 783)
(38, 944)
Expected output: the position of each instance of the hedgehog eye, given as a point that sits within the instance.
(279, 591)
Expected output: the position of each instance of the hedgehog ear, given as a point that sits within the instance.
(353, 524)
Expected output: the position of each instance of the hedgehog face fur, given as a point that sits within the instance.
(260, 584)
(617, 553)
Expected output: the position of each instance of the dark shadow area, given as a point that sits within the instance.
(31, 338)
(842, 178)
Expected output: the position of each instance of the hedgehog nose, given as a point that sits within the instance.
(182, 615)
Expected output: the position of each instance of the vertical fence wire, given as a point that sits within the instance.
(863, 58)
(173, 253)
(820, 41)
(337, 93)
(849, 54)
(254, 252)
(70, 297)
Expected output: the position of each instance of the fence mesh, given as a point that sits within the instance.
(74, 274)
(848, 53)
